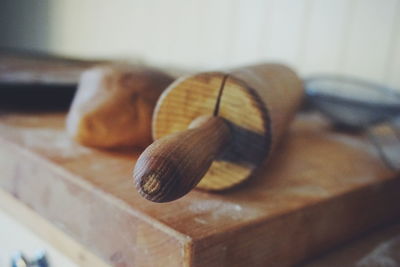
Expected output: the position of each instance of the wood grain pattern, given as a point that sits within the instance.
(320, 189)
(61, 245)
(34, 68)
(172, 166)
(32, 80)
(258, 102)
(378, 248)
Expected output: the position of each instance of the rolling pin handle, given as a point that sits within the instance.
(172, 166)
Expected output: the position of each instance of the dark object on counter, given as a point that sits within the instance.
(20, 260)
(352, 102)
(34, 80)
(359, 105)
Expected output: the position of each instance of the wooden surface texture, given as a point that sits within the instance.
(320, 189)
(258, 101)
(28, 232)
(172, 166)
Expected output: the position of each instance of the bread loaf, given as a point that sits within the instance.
(114, 104)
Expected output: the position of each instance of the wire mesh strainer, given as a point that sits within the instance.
(360, 105)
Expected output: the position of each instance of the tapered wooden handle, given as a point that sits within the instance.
(172, 166)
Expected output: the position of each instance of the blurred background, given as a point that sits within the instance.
(356, 37)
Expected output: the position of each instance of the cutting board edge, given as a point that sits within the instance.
(8, 184)
(371, 193)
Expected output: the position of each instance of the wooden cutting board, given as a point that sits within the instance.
(321, 189)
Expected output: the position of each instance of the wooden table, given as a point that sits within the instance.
(380, 247)
(321, 189)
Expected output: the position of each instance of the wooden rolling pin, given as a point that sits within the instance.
(213, 130)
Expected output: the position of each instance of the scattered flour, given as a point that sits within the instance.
(52, 142)
(214, 210)
(384, 255)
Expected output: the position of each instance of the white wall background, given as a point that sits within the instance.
(357, 37)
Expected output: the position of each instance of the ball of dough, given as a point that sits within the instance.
(113, 106)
